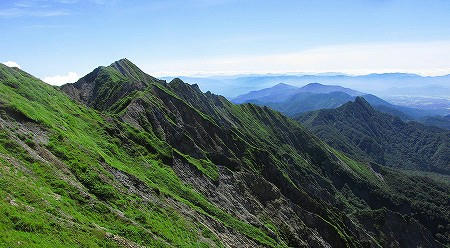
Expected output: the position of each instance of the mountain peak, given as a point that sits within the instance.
(283, 86)
(362, 103)
(123, 63)
(183, 87)
(123, 60)
(322, 88)
(176, 81)
(127, 68)
(314, 84)
(106, 85)
(360, 100)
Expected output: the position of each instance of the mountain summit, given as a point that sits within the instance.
(104, 86)
(320, 88)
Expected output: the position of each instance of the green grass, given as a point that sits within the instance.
(205, 166)
(80, 137)
(360, 169)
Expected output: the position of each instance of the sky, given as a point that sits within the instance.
(62, 40)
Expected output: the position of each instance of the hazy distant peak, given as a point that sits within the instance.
(283, 86)
(314, 84)
(393, 74)
(321, 88)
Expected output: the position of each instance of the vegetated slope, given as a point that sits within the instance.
(166, 165)
(437, 121)
(360, 131)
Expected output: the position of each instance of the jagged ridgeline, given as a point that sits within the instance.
(363, 132)
(122, 159)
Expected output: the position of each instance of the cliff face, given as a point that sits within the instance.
(163, 164)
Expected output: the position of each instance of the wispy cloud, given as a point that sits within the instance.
(11, 64)
(426, 58)
(44, 8)
(37, 8)
(19, 12)
(70, 77)
(23, 4)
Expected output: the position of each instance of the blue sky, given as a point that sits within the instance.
(60, 40)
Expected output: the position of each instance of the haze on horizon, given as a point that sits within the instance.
(62, 40)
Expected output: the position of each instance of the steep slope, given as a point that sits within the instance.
(168, 165)
(359, 130)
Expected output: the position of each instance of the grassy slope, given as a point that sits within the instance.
(78, 136)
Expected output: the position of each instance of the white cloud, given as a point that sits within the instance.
(11, 64)
(70, 77)
(426, 58)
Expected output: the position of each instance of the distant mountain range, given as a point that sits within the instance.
(281, 92)
(293, 101)
(439, 105)
(361, 131)
(385, 84)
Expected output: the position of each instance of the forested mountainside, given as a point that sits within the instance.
(122, 159)
(362, 132)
